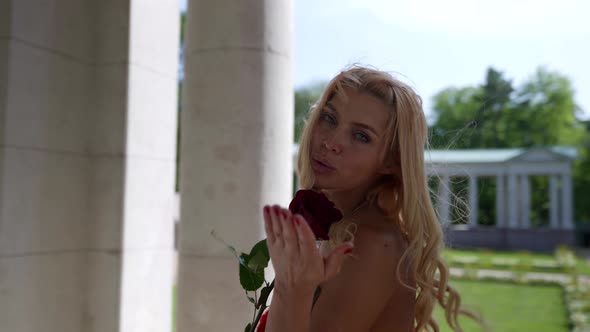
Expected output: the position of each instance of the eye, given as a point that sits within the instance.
(328, 118)
(362, 137)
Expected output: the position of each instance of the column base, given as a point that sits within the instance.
(541, 240)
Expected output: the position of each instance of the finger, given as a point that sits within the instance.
(277, 226)
(305, 236)
(289, 232)
(270, 235)
(333, 263)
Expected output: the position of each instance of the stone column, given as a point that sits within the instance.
(500, 200)
(444, 200)
(512, 200)
(87, 164)
(525, 201)
(473, 202)
(554, 203)
(236, 150)
(566, 201)
(44, 99)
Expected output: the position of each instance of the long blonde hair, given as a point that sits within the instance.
(404, 197)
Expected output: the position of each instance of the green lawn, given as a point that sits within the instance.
(485, 258)
(510, 307)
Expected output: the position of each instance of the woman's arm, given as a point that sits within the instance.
(290, 311)
(299, 269)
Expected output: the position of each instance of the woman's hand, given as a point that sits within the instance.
(298, 264)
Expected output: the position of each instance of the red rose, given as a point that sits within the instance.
(262, 322)
(318, 211)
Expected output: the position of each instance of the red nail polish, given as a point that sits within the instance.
(296, 221)
(266, 209)
(348, 251)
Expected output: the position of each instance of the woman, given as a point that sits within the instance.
(363, 147)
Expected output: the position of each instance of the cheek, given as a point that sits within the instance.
(316, 137)
(362, 163)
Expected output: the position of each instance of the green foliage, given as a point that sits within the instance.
(252, 267)
(182, 26)
(540, 112)
(581, 176)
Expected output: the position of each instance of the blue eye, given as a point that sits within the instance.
(327, 117)
(362, 137)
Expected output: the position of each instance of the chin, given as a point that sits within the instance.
(327, 185)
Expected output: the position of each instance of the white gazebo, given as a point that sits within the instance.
(512, 169)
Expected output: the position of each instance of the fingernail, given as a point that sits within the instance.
(348, 251)
(266, 209)
(296, 221)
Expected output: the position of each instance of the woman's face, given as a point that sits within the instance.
(348, 141)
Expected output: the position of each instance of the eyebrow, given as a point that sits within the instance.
(358, 124)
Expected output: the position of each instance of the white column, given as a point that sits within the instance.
(87, 165)
(512, 200)
(237, 143)
(566, 201)
(500, 199)
(473, 200)
(443, 202)
(554, 202)
(525, 201)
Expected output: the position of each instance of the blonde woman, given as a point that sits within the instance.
(363, 147)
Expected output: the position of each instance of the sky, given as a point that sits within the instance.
(433, 44)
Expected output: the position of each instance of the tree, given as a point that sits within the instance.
(540, 112)
(581, 176)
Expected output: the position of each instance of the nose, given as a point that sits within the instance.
(333, 143)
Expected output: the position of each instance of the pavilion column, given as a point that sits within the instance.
(500, 201)
(473, 202)
(525, 201)
(554, 203)
(236, 149)
(512, 201)
(566, 201)
(88, 122)
(443, 203)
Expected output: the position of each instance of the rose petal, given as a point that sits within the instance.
(319, 212)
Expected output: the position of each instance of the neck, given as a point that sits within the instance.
(347, 201)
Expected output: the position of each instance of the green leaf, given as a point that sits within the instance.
(259, 256)
(257, 262)
(249, 279)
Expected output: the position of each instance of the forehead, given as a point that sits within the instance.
(361, 107)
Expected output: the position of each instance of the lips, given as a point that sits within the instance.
(321, 167)
(324, 163)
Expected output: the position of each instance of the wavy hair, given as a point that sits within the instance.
(404, 197)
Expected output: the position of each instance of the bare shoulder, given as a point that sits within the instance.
(366, 284)
(378, 235)
(379, 246)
